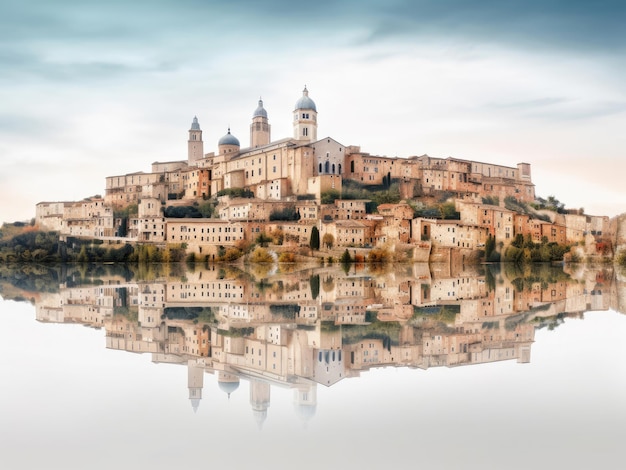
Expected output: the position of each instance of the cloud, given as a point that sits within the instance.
(536, 24)
(108, 87)
(532, 104)
(561, 108)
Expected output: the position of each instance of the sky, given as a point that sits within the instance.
(94, 89)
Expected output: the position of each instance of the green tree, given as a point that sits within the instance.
(314, 281)
(345, 257)
(447, 210)
(263, 239)
(82, 256)
(491, 255)
(328, 197)
(314, 242)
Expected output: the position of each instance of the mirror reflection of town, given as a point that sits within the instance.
(319, 325)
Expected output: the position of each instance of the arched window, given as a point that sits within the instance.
(352, 166)
(333, 168)
(339, 168)
(320, 169)
(327, 167)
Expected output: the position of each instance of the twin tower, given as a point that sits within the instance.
(304, 130)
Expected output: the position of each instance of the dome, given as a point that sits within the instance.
(228, 387)
(305, 102)
(229, 139)
(260, 110)
(228, 383)
(195, 126)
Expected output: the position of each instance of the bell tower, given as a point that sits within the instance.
(195, 147)
(260, 128)
(305, 118)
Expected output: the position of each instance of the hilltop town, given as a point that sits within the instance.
(310, 196)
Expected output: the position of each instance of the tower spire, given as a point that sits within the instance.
(195, 146)
(260, 128)
(305, 118)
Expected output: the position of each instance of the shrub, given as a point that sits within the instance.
(243, 245)
(236, 192)
(287, 257)
(329, 197)
(328, 240)
(378, 255)
(232, 254)
(289, 213)
(182, 212)
(278, 236)
(261, 255)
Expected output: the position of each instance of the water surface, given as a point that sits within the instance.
(165, 368)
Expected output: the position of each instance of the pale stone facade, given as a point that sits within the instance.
(88, 218)
(204, 236)
(449, 233)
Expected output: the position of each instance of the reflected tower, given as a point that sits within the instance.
(259, 400)
(305, 401)
(195, 382)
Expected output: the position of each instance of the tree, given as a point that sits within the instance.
(314, 242)
(491, 255)
(447, 210)
(314, 282)
(328, 197)
(261, 255)
(263, 239)
(328, 240)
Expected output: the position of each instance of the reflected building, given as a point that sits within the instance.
(318, 326)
